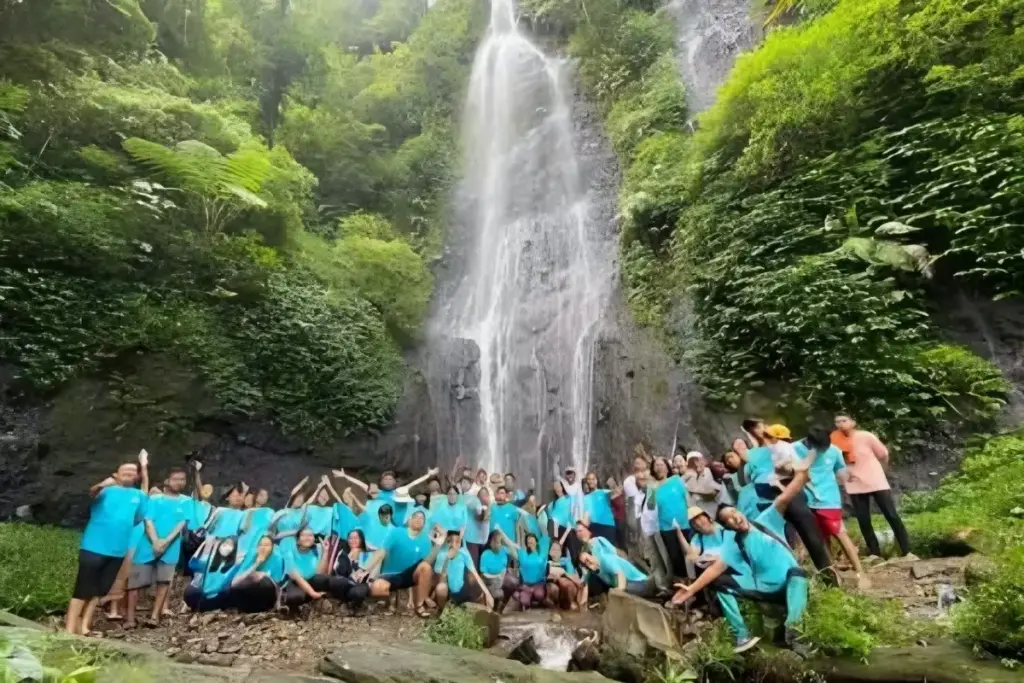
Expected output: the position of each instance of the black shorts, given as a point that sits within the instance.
(96, 575)
(469, 592)
(403, 580)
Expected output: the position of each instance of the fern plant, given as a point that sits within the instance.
(219, 186)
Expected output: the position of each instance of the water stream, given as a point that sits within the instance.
(536, 280)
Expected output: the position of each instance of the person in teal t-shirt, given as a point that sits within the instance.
(213, 567)
(158, 551)
(504, 515)
(597, 510)
(458, 580)
(261, 574)
(615, 572)
(667, 495)
(761, 563)
(560, 510)
(501, 582)
(532, 556)
(407, 561)
(564, 583)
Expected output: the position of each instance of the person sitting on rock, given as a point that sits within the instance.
(532, 557)
(757, 564)
(287, 523)
(261, 573)
(406, 560)
(351, 565)
(457, 578)
(500, 581)
(213, 568)
(565, 586)
(307, 570)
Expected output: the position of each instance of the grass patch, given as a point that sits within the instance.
(992, 616)
(37, 568)
(455, 627)
(838, 623)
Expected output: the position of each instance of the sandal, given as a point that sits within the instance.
(423, 613)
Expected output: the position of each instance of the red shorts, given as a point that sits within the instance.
(830, 522)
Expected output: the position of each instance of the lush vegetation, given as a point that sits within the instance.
(253, 187)
(456, 627)
(856, 168)
(981, 507)
(37, 573)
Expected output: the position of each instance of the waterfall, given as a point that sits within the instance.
(537, 275)
(711, 34)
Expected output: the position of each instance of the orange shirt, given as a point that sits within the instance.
(845, 444)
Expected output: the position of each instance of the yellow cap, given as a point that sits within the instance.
(693, 512)
(777, 431)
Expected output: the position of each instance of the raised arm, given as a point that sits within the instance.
(198, 480)
(416, 482)
(144, 470)
(793, 489)
(688, 549)
(326, 483)
(349, 499)
(341, 474)
(95, 489)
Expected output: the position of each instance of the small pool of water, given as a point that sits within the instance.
(554, 643)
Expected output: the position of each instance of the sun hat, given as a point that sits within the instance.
(693, 512)
(777, 431)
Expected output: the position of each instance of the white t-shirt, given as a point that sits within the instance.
(648, 518)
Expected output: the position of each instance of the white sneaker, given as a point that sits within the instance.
(746, 644)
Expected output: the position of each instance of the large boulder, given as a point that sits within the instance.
(635, 625)
(416, 662)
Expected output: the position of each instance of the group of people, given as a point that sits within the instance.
(676, 530)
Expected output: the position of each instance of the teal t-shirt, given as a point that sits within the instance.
(670, 501)
(477, 530)
(748, 500)
(320, 519)
(165, 512)
(228, 522)
(403, 551)
(369, 521)
(711, 544)
(493, 563)
(457, 567)
(533, 567)
(200, 513)
(762, 557)
(759, 468)
(823, 492)
(560, 511)
(114, 513)
(303, 562)
(504, 517)
(598, 506)
(273, 566)
(344, 520)
(255, 525)
(450, 517)
(212, 581)
(611, 564)
(566, 564)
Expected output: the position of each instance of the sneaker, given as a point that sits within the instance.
(796, 644)
(744, 644)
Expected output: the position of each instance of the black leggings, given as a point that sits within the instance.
(197, 602)
(676, 554)
(862, 510)
(255, 596)
(338, 587)
(802, 519)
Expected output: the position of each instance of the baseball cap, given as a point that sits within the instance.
(694, 455)
(777, 431)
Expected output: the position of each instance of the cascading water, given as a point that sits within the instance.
(711, 34)
(537, 279)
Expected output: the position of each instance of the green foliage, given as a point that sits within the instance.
(992, 616)
(838, 623)
(708, 658)
(152, 204)
(975, 506)
(812, 215)
(36, 657)
(37, 568)
(456, 627)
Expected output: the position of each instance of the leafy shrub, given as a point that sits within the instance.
(455, 626)
(37, 568)
(840, 623)
(992, 616)
(654, 103)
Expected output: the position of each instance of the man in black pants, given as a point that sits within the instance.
(796, 513)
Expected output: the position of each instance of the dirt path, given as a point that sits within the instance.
(918, 583)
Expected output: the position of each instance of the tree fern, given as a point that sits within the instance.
(222, 185)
